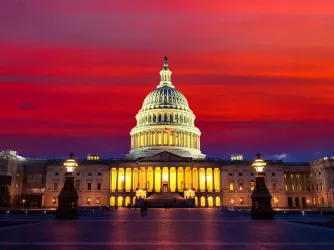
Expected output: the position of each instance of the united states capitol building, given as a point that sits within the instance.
(165, 164)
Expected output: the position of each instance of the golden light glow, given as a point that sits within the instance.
(70, 165)
(259, 165)
(231, 186)
(232, 201)
(121, 178)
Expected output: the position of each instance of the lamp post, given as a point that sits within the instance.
(68, 197)
(276, 203)
(261, 198)
(23, 202)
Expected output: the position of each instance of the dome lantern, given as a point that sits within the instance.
(165, 75)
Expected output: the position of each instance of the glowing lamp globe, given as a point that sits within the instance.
(70, 164)
(259, 164)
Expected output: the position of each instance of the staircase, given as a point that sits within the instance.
(159, 199)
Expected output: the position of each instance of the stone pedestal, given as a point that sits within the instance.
(68, 200)
(261, 200)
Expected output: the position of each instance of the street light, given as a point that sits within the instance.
(23, 202)
(68, 197)
(261, 198)
(276, 202)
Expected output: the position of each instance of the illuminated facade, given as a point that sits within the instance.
(165, 164)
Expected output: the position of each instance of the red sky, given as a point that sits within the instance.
(259, 75)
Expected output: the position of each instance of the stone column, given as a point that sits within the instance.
(146, 178)
(213, 180)
(198, 180)
(153, 169)
(131, 169)
(116, 180)
(192, 178)
(168, 179)
(206, 184)
(139, 177)
(124, 183)
(161, 168)
(177, 179)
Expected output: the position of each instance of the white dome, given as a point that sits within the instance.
(165, 97)
(165, 123)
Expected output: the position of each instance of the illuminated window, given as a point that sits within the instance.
(286, 187)
(240, 186)
(231, 186)
(54, 200)
(293, 187)
(88, 200)
(314, 201)
(252, 185)
(55, 186)
(98, 200)
(284, 175)
(318, 200)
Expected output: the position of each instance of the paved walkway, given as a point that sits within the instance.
(174, 229)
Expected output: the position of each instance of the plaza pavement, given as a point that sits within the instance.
(159, 229)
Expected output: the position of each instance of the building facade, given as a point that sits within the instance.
(165, 163)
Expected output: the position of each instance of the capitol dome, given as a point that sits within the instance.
(165, 123)
(165, 97)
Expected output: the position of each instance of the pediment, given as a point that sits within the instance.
(165, 156)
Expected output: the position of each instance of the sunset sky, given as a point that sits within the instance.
(258, 74)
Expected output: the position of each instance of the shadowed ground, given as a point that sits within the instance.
(172, 229)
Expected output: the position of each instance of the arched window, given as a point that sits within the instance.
(171, 118)
(165, 118)
(159, 118)
(154, 118)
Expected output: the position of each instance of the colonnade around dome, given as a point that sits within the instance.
(153, 117)
(165, 137)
